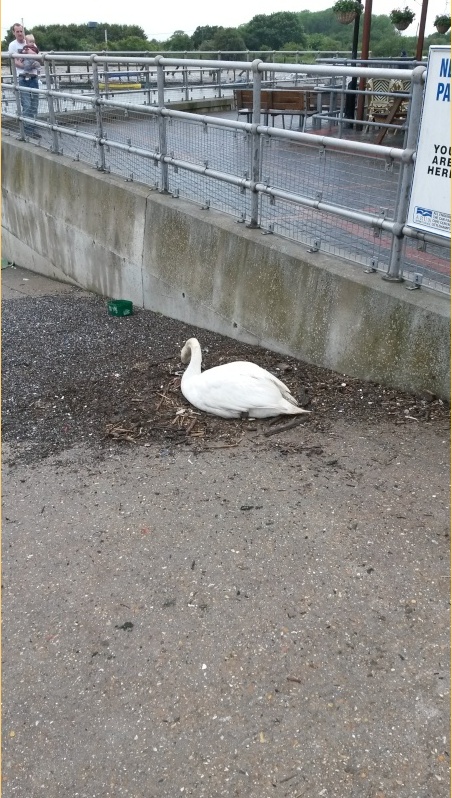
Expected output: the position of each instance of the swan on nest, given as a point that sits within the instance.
(234, 389)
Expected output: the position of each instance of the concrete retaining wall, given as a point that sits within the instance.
(119, 239)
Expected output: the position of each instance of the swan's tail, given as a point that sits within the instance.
(291, 407)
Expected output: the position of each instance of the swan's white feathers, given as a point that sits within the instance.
(234, 388)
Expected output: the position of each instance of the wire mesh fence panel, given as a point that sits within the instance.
(77, 148)
(209, 146)
(349, 181)
(131, 127)
(209, 193)
(216, 148)
(132, 166)
(323, 231)
(10, 123)
(430, 261)
(78, 118)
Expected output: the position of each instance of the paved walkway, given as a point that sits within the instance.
(249, 621)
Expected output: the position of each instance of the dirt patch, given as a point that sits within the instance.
(72, 374)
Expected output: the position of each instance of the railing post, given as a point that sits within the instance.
(52, 117)
(18, 98)
(395, 269)
(98, 112)
(162, 125)
(185, 82)
(147, 83)
(255, 143)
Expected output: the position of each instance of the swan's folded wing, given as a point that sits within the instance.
(243, 368)
(230, 392)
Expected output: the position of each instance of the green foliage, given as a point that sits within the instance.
(202, 35)
(293, 46)
(84, 38)
(344, 6)
(442, 21)
(229, 39)
(401, 15)
(391, 46)
(318, 41)
(179, 41)
(273, 30)
(129, 43)
(304, 30)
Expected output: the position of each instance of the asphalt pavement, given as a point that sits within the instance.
(257, 620)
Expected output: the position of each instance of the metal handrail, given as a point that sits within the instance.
(99, 103)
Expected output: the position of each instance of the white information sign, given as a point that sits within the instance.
(430, 194)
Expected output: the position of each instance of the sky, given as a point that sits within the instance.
(160, 20)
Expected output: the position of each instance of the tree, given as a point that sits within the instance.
(318, 41)
(179, 41)
(229, 39)
(313, 30)
(274, 30)
(203, 34)
(129, 43)
(85, 38)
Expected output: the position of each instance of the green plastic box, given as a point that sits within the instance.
(120, 307)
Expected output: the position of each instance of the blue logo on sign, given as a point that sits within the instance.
(425, 212)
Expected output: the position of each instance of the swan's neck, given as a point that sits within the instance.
(194, 367)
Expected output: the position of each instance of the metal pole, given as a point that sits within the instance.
(98, 112)
(395, 269)
(255, 144)
(350, 101)
(18, 98)
(185, 82)
(420, 38)
(364, 55)
(162, 125)
(147, 84)
(52, 117)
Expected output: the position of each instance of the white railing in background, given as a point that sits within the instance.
(344, 196)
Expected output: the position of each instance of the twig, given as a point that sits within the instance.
(190, 426)
(289, 778)
(283, 427)
(227, 445)
(158, 362)
(159, 404)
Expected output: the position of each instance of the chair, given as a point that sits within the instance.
(244, 103)
(404, 87)
(380, 102)
(290, 103)
(398, 109)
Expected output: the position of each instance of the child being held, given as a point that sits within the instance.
(30, 66)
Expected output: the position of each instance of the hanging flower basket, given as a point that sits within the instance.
(442, 23)
(346, 10)
(401, 18)
(346, 17)
(403, 24)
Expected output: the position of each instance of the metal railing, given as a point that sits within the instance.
(348, 198)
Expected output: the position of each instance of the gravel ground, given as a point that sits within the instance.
(194, 606)
(84, 376)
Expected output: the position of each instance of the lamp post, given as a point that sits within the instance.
(420, 38)
(364, 54)
(350, 100)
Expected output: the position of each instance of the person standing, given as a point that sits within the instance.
(27, 78)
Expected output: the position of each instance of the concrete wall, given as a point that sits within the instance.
(121, 240)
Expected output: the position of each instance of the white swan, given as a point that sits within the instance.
(234, 388)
